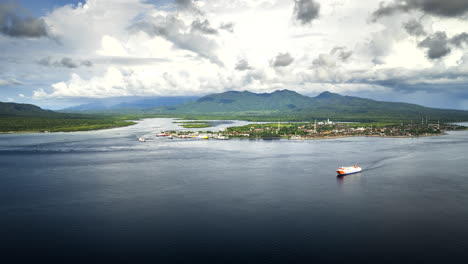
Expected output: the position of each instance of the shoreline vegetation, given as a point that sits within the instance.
(193, 124)
(323, 130)
(327, 129)
(291, 130)
(23, 125)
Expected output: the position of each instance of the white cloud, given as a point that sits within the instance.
(141, 49)
(111, 47)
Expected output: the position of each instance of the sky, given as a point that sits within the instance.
(58, 53)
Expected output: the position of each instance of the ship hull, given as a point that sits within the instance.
(347, 173)
(348, 170)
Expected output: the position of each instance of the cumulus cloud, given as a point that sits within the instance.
(342, 53)
(203, 27)
(327, 67)
(175, 30)
(228, 27)
(445, 8)
(65, 62)
(14, 22)
(138, 48)
(306, 10)
(187, 5)
(439, 45)
(116, 82)
(243, 65)
(459, 39)
(282, 60)
(414, 28)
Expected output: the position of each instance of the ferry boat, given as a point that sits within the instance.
(348, 170)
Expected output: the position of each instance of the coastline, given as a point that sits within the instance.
(64, 130)
(336, 137)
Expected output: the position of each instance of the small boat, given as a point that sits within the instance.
(170, 137)
(141, 139)
(162, 135)
(348, 170)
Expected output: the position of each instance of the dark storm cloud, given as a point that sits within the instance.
(446, 8)
(65, 62)
(306, 10)
(14, 22)
(282, 60)
(460, 39)
(243, 65)
(414, 28)
(419, 80)
(203, 27)
(437, 45)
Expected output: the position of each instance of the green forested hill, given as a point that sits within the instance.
(290, 105)
(30, 118)
(14, 109)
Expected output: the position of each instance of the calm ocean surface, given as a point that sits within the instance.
(103, 196)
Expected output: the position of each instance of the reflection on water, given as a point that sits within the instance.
(348, 178)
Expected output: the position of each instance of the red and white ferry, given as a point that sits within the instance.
(348, 170)
(162, 134)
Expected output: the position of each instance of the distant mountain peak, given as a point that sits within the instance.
(328, 94)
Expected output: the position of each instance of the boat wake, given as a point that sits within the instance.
(379, 163)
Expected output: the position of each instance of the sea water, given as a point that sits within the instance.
(104, 196)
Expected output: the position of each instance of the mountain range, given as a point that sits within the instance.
(291, 105)
(281, 104)
(129, 103)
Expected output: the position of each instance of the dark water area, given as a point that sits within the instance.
(105, 197)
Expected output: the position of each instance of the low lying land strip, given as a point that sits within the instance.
(194, 124)
(324, 130)
(41, 125)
